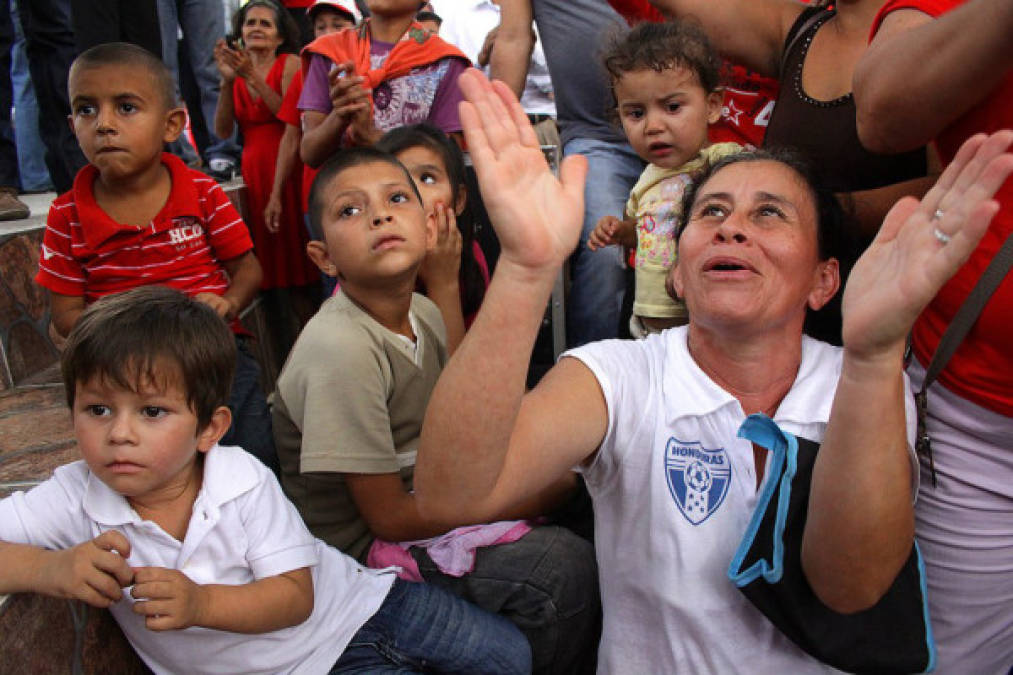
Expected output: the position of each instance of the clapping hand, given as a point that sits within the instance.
(231, 62)
(349, 99)
(921, 245)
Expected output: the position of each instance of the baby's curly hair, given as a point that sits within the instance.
(657, 46)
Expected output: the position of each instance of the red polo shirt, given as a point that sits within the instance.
(87, 253)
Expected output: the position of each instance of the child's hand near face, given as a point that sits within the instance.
(442, 264)
(439, 272)
(611, 231)
(168, 599)
(93, 572)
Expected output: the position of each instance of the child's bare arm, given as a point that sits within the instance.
(93, 572)
(169, 600)
(65, 310)
(244, 282)
(440, 273)
(390, 512)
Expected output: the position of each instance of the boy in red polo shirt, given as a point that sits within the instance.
(137, 216)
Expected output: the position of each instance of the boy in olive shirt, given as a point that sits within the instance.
(351, 398)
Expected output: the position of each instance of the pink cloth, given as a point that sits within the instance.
(453, 552)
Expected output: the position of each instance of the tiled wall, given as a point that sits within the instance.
(26, 349)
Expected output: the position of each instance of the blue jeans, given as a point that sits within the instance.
(421, 628)
(251, 418)
(598, 278)
(49, 43)
(203, 23)
(31, 152)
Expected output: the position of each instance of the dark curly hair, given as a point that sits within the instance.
(658, 46)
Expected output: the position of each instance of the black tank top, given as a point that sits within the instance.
(826, 132)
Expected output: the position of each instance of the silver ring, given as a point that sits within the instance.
(941, 236)
(938, 215)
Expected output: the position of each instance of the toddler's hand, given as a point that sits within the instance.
(93, 572)
(168, 599)
(442, 263)
(604, 233)
(611, 231)
(223, 306)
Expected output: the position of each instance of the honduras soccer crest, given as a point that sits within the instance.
(697, 477)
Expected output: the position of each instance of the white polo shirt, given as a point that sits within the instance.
(242, 529)
(673, 490)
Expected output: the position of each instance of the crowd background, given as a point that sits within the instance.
(787, 78)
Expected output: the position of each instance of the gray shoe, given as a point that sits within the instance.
(12, 208)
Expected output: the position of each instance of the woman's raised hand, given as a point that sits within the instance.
(921, 245)
(537, 217)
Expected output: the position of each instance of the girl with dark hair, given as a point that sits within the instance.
(436, 165)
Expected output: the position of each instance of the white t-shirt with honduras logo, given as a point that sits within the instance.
(673, 490)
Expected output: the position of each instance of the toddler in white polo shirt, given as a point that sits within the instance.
(203, 562)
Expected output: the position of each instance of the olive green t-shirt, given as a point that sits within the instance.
(351, 399)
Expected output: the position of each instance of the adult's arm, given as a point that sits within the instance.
(748, 32)
(392, 513)
(511, 54)
(486, 446)
(288, 153)
(920, 74)
(225, 112)
(871, 206)
(861, 518)
(258, 84)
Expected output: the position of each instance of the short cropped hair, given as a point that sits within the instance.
(125, 338)
(343, 160)
(126, 54)
(659, 46)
